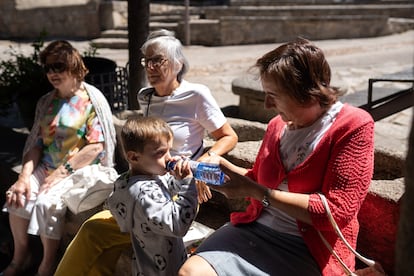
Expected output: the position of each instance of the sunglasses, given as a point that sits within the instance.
(57, 67)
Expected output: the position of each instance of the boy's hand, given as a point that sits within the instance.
(182, 169)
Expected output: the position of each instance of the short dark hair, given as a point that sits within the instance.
(139, 131)
(300, 68)
(63, 51)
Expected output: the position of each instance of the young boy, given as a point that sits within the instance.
(155, 207)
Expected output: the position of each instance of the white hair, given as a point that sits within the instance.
(166, 42)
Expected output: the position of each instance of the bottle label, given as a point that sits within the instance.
(206, 172)
(209, 173)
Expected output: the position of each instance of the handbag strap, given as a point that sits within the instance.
(365, 260)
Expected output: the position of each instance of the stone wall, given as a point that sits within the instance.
(378, 218)
(239, 30)
(113, 14)
(276, 23)
(78, 19)
(211, 26)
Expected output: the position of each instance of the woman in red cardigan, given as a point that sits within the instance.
(316, 144)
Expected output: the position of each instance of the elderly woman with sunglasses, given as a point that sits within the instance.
(190, 110)
(72, 129)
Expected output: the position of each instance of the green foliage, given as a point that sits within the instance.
(92, 51)
(23, 80)
(21, 74)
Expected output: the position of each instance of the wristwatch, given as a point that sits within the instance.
(265, 200)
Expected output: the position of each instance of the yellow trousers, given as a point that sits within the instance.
(95, 249)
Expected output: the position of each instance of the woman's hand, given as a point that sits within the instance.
(19, 192)
(226, 139)
(236, 184)
(80, 159)
(239, 186)
(203, 191)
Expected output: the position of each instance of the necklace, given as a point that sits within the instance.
(165, 101)
(149, 103)
(158, 112)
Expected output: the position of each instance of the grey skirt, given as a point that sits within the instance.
(255, 249)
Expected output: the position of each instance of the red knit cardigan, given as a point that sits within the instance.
(341, 167)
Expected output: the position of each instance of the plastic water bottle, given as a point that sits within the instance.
(209, 173)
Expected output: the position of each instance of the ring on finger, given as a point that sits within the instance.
(9, 193)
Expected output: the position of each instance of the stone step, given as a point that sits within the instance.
(172, 26)
(311, 2)
(277, 2)
(118, 38)
(111, 43)
(118, 33)
(392, 10)
(217, 25)
(167, 18)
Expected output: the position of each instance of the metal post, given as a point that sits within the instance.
(187, 23)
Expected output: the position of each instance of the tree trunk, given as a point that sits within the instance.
(138, 30)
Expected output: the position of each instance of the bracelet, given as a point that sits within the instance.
(68, 167)
(265, 200)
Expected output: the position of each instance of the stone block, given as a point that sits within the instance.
(72, 20)
(202, 32)
(399, 25)
(395, 10)
(248, 130)
(113, 15)
(378, 218)
(251, 106)
(389, 164)
(277, 29)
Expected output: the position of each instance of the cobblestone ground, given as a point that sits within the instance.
(352, 61)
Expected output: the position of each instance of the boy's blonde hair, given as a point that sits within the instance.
(139, 131)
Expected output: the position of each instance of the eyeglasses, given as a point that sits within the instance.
(57, 67)
(154, 62)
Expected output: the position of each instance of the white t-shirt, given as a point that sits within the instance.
(190, 111)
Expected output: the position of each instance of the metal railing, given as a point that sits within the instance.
(114, 85)
(111, 79)
(392, 103)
